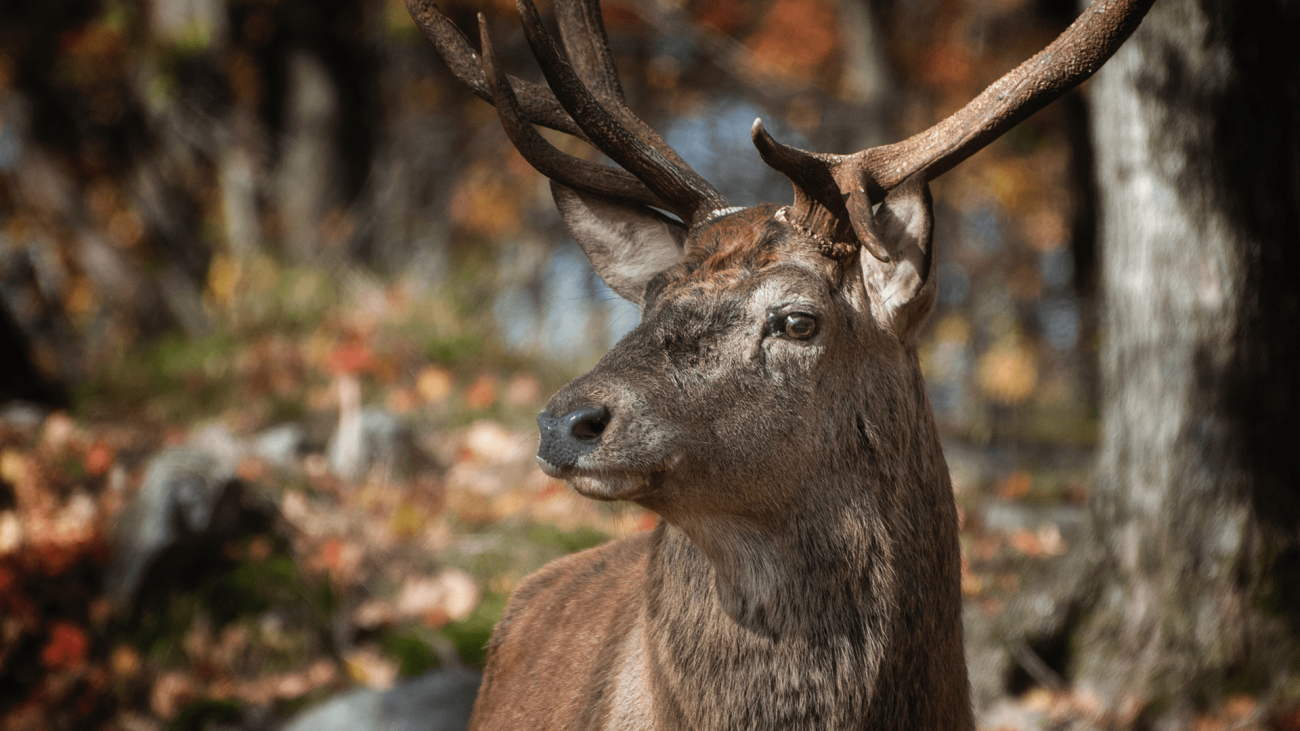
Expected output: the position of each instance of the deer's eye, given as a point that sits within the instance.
(799, 326)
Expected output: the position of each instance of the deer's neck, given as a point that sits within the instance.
(812, 624)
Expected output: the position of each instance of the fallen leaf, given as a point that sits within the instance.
(1008, 374)
(170, 692)
(66, 647)
(522, 390)
(59, 430)
(401, 401)
(252, 469)
(370, 668)
(1038, 699)
(259, 549)
(341, 558)
(448, 597)
(1239, 706)
(291, 686)
(13, 466)
(1026, 543)
(434, 384)
(1049, 537)
(138, 722)
(125, 661)
(99, 457)
(374, 613)
(352, 358)
(482, 393)
(322, 672)
(11, 532)
(1015, 486)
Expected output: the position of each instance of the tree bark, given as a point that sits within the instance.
(1196, 124)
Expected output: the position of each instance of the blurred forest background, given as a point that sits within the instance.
(279, 303)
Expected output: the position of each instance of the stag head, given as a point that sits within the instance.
(776, 349)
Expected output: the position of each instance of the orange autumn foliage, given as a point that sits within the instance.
(66, 647)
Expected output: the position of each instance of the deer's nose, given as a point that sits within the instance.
(566, 438)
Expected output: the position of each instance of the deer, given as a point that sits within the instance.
(804, 572)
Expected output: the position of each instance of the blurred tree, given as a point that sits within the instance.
(1197, 503)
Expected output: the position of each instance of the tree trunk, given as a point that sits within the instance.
(1196, 123)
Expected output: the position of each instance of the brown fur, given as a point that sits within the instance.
(806, 571)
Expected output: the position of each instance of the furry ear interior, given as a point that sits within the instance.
(903, 289)
(627, 245)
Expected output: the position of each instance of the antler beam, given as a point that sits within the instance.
(688, 194)
(1074, 56)
(548, 160)
(587, 102)
(537, 102)
(829, 187)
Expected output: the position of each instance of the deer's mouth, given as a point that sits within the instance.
(603, 484)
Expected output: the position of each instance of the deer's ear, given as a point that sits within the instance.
(627, 245)
(903, 289)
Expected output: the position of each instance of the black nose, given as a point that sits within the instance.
(566, 438)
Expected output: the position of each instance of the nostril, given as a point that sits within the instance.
(565, 439)
(588, 424)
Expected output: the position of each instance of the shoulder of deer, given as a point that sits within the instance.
(568, 631)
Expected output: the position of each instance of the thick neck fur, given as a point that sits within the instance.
(844, 616)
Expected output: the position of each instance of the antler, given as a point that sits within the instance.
(587, 102)
(834, 193)
(548, 160)
(538, 103)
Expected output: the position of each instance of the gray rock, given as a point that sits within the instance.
(189, 499)
(437, 701)
(281, 445)
(378, 440)
(216, 440)
(22, 415)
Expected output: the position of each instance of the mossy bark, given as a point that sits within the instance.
(1196, 124)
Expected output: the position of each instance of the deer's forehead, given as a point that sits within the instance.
(726, 295)
(751, 239)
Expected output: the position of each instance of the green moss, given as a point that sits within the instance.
(1158, 706)
(414, 654)
(241, 592)
(454, 349)
(566, 541)
(176, 378)
(204, 714)
(251, 588)
(517, 549)
(158, 633)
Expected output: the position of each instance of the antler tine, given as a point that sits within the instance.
(583, 32)
(817, 192)
(688, 194)
(548, 160)
(539, 105)
(864, 177)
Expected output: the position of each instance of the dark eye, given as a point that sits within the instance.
(799, 326)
